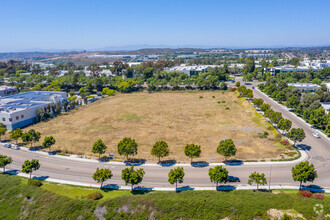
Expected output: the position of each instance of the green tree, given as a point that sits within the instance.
(101, 175)
(4, 161)
(296, 135)
(218, 174)
(176, 176)
(99, 148)
(223, 86)
(160, 149)
(131, 176)
(275, 117)
(30, 166)
(2, 130)
(192, 151)
(226, 148)
(238, 84)
(284, 124)
(257, 178)
(27, 138)
(258, 102)
(35, 136)
(127, 147)
(16, 134)
(48, 142)
(304, 172)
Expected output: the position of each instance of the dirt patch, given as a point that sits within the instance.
(100, 212)
(275, 214)
(179, 118)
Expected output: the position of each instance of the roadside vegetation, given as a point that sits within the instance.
(20, 200)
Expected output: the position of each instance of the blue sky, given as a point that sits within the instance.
(94, 24)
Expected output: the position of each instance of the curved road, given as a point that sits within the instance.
(156, 176)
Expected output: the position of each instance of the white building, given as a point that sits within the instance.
(7, 90)
(20, 110)
(191, 70)
(305, 87)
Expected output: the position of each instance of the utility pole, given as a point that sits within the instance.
(270, 176)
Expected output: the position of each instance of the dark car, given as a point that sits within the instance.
(233, 179)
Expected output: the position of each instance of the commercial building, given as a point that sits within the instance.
(7, 90)
(20, 110)
(305, 87)
(190, 70)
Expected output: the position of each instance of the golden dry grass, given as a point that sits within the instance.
(179, 118)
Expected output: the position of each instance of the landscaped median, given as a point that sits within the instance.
(20, 200)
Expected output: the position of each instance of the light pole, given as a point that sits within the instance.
(270, 176)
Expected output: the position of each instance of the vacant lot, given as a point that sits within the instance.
(179, 118)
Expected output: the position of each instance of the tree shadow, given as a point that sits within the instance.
(36, 148)
(140, 190)
(303, 147)
(54, 152)
(42, 178)
(225, 188)
(313, 188)
(200, 164)
(135, 162)
(109, 187)
(233, 162)
(104, 159)
(12, 172)
(167, 163)
(185, 188)
(5, 141)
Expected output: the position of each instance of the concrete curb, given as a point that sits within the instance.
(304, 156)
(182, 188)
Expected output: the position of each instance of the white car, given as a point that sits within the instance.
(316, 135)
(7, 145)
(15, 147)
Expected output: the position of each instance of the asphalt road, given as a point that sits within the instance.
(157, 176)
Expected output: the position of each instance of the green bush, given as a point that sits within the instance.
(95, 196)
(227, 108)
(213, 96)
(34, 182)
(200, 97)
(223, 101)
(219, 102)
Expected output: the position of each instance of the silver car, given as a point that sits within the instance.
(15, 147)
(7, 145)
(316, 135)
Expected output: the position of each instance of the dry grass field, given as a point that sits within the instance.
(179, 118)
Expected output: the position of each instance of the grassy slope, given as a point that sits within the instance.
(44, 204)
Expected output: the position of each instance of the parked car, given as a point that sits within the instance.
(15, 147)
(233, 179)
(316, 135)
(7, 145)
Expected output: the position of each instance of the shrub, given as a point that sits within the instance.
(227, 108)
(258, 212)
(200, 97)
(233, 89)
(318, 196)
(219, 102)
(223, 101)
(213, 96)
(266, 133)
(95, 196)
(34, 182)
(305, 194)
(285, 142)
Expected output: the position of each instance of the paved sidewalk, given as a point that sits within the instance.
(180, 188)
